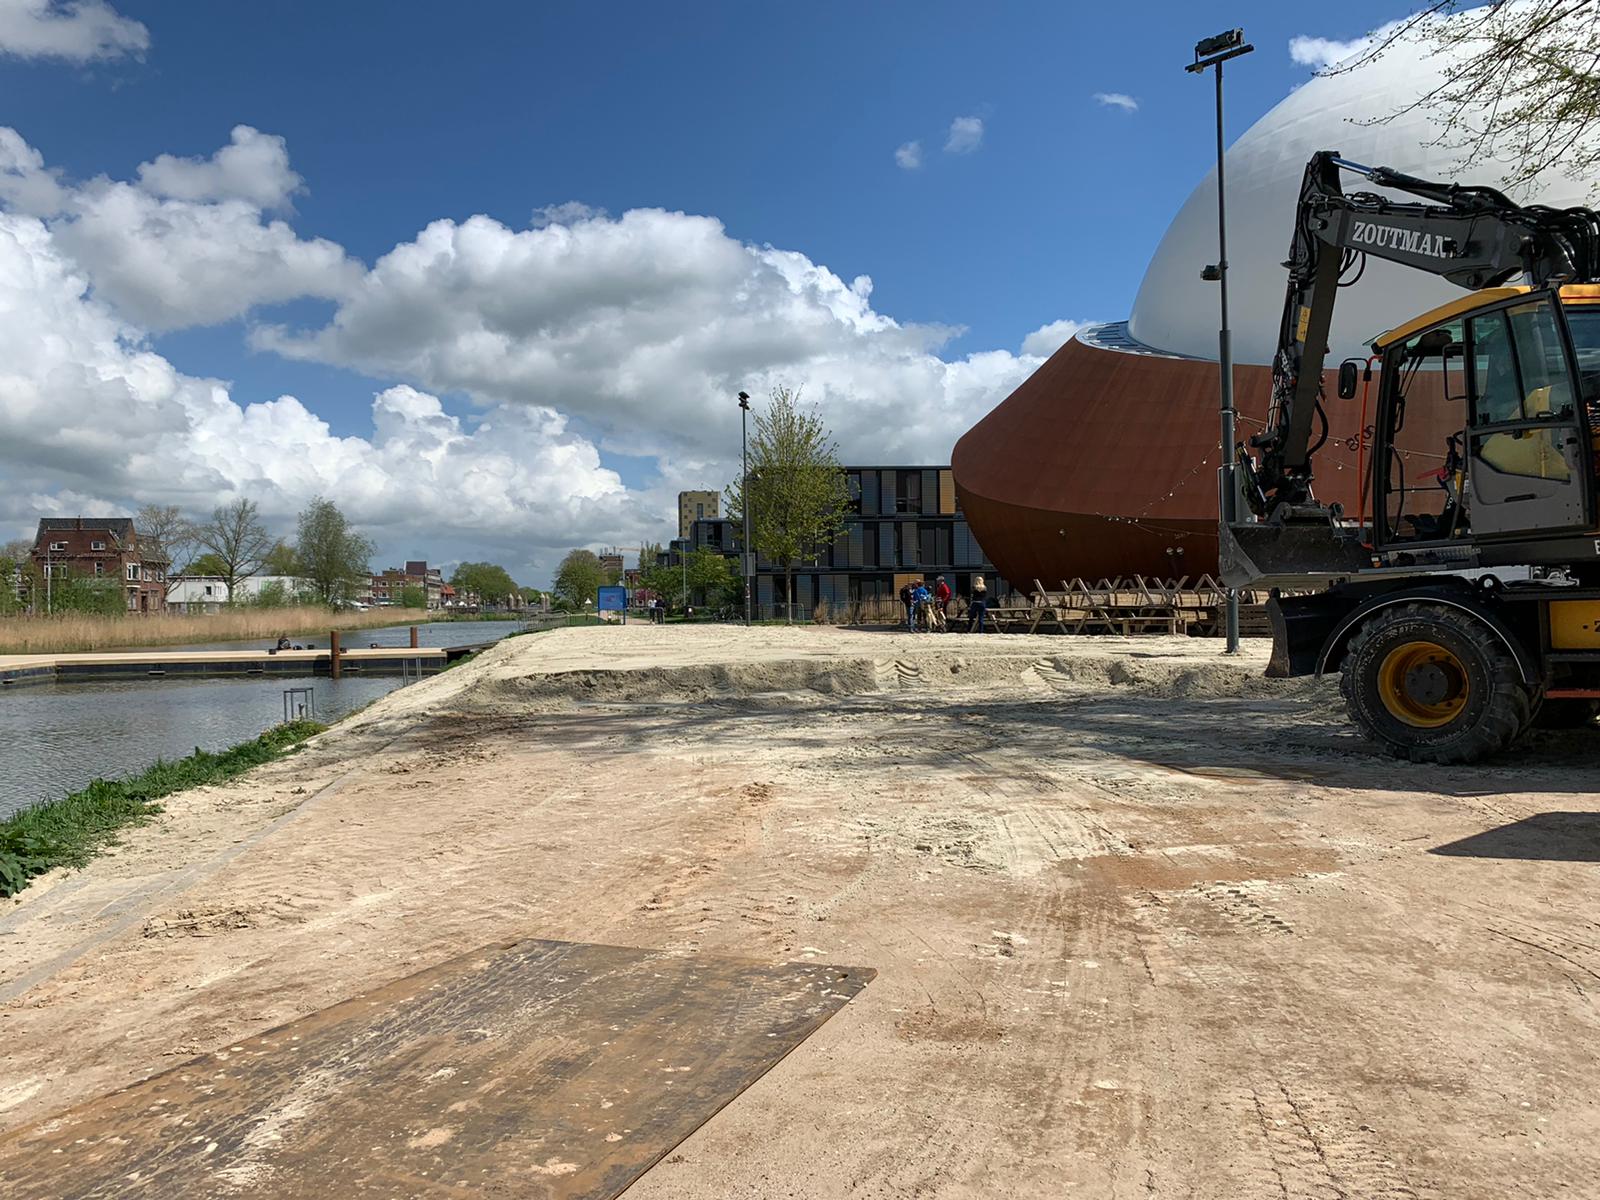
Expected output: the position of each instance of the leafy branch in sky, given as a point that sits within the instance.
(1520, 83)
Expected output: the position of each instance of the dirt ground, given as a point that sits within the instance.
(1145, 924)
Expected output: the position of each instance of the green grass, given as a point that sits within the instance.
(70, 831)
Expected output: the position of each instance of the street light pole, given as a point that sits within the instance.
(1213, 52)
(745, 563)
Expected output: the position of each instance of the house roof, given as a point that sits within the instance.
(122, 527)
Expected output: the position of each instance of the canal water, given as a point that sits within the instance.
(435, 633)
(55, 737)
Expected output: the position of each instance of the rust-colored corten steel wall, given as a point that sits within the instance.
(1103, 461)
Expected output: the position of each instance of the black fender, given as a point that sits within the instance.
(1301, 627)
(1480, 604)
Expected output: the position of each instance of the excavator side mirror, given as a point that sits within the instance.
(1347, 379)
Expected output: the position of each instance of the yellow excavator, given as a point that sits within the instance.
(1462, 607)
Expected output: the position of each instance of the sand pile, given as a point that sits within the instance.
(690, 665)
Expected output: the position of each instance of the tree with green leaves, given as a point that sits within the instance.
(579, 578)
(332, 556)
(702, 572)
(273, 594)
(238, 539)
(714, 576)
(491, 582)
(1518, 83)
(413, 595)
(668, 582)
(18, 576)
(88, 594)
(282, 560)
(798, 494)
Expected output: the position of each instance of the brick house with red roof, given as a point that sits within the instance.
(103, 548)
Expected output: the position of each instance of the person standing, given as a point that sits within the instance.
(978, 608)
(921, 601)
(941, 601)
(905, 599)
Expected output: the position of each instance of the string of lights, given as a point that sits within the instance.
(1142, 520)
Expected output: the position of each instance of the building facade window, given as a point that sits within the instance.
(97, 545)
(133, 572)
(58, 545)
(99, 568)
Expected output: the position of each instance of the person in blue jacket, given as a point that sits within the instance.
(921, 597)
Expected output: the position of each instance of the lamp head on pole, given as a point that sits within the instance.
(1218, 49)
(744, 400)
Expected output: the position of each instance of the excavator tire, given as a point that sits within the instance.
(1434, 684)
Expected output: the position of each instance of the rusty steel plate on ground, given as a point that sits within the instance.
(530, 1069)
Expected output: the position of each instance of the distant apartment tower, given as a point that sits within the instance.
(611, 562)
(696, 506)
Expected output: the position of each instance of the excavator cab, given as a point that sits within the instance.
(1483, 430)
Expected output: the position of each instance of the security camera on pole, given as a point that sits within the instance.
(1213, 52)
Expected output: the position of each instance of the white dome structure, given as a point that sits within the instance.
(1176, 312)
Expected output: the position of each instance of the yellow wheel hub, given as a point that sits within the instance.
(1423, 684)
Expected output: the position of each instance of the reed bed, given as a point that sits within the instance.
(66, 633)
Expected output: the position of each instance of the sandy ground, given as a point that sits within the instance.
(1146, 925)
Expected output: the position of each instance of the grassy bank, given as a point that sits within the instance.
(70, 831)
(68, 632)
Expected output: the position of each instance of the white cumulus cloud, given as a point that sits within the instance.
(75, 30)
(189, 243)
(554, 345)
(92, 420)
(1116, 100)
(253, 166)
(1320, 52)
(26, 184)
(1047, 339)
(909, 156)
(642, 326)
(966, 135)
(569, 213)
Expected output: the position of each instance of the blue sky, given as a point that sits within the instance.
(780, 122)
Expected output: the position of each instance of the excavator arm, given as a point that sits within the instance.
(1475, 237)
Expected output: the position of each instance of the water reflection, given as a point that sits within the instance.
(437, 633)
(56, 737)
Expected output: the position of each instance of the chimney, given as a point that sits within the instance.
(80, 521)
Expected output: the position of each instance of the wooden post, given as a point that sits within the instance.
(414, 642)
(333, 652)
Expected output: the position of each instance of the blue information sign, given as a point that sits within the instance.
(612, 599)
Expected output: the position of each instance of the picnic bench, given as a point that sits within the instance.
(1125, 606)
